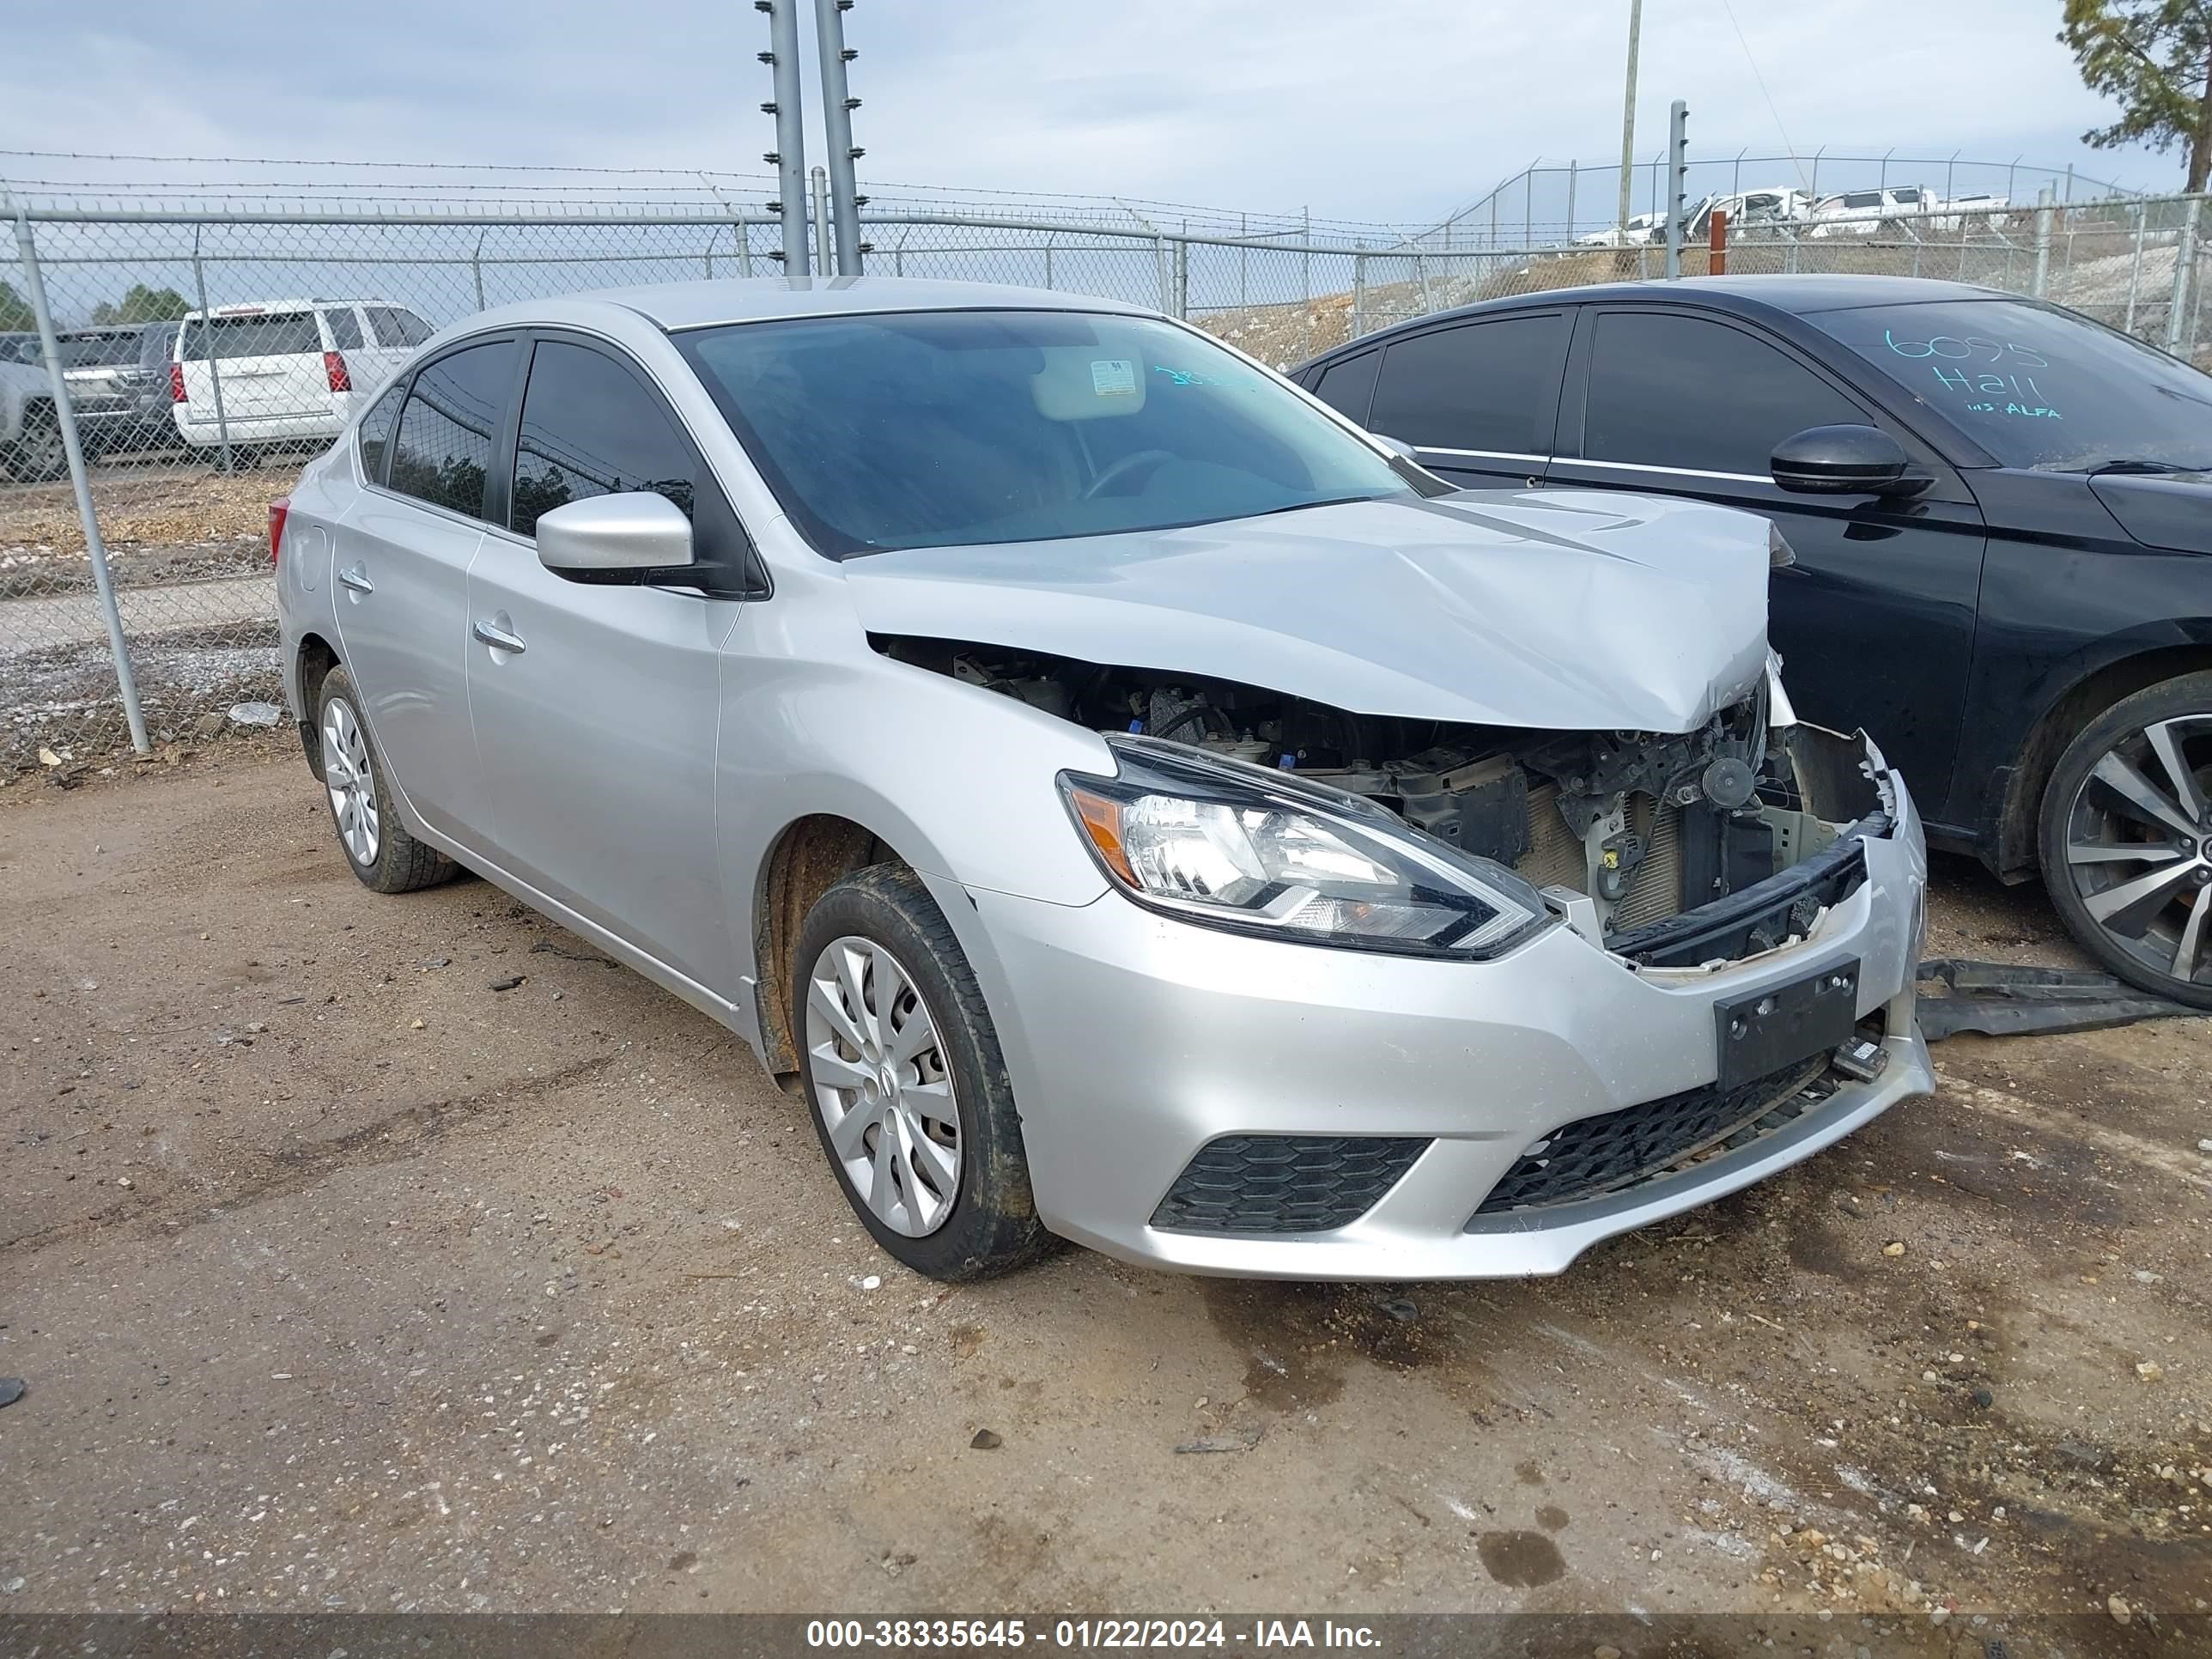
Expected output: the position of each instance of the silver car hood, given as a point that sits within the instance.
(1570, 610)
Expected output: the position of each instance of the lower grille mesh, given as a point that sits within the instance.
(1285, 1183)
(1603, 1154)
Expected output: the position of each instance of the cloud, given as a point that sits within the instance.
(1371, 113)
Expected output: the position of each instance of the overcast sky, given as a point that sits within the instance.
(1394, 112)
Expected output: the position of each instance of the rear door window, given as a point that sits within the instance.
(345, 328)
(1347, 387)
(1670, 390)
(450, 424)
(260, 334)
(1491, 386)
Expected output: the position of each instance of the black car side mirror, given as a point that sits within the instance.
(1845, 460)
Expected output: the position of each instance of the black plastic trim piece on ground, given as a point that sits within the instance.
(2004, 999)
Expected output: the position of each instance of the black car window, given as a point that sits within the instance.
(2035, 385)
(1671, 390)
(453, 415)
(252, 334)
(1478, 385)
(156, 342)
(1347, 387)
(345, 328)
(589, 428)
(375, 434)
(396, 327)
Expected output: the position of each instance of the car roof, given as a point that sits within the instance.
(754, 298)
(1792, 296)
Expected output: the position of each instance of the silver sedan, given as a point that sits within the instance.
(1135, 806)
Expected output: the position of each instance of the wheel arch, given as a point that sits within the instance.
(2091, 684)
(311, 665)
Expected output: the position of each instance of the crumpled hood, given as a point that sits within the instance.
(1568, 610)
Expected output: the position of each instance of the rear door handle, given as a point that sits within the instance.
(357, 579)
(498, 638)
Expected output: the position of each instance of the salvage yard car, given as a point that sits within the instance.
(2002, 513)
(1135, 806)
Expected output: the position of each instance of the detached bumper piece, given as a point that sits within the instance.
(1285, 1183)
(1593, 1157)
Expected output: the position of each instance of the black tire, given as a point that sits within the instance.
(39, 456)
(399, 863)
(992, 1227)
(2142, 942)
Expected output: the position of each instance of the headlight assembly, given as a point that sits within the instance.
(1230, 845)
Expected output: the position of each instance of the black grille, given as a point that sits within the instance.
(1285, 1183)
(1603, 1154)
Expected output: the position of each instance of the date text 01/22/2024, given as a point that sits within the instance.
(1089, 1635)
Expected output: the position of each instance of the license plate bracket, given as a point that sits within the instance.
(1764, 1031)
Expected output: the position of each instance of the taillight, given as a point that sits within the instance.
(177, 384)
(277, 510)
(334, 366)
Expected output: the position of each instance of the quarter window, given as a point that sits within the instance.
(395, 327)
(376, 434)
(1686, 391)
(590, 429)
(1349, 387)
(446, 430)
(1480, 386)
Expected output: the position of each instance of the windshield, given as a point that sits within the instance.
(2035, 385)
(950, 427)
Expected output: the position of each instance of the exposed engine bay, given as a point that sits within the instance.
(1623, 831)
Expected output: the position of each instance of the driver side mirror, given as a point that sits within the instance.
(1845, 460)
(631, 537)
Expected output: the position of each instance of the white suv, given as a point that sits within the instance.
(282, 370)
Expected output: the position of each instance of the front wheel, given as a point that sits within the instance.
(910, 1094)
(40, 457)
(2126, 839)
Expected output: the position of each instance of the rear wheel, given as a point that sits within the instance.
(2126, 838)
(40, 456)
(910, 1095)
(376, 843)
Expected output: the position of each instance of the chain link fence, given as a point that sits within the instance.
(205, 353)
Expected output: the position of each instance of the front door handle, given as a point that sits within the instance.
(498, 638)
(356, 577)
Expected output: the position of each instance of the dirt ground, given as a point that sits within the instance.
(340, 1278)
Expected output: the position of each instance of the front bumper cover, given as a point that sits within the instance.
(1136, 1041)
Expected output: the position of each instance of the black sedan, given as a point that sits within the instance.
(2001, 514)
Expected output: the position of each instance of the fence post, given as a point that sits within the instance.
(2044, 214)
(1358, 294)
(2134, 272)
(824, 260)
(207, 345)
(95, 549)
(2178, 331)
(1183, 275)
(476, 263)
(1048, 259)
(1573, 173)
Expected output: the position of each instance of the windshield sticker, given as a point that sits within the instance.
(1113, 377)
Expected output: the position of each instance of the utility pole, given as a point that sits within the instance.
(789, 155)
(1628, 113)
(837, 107)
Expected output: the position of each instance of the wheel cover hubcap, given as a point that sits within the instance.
(881, 1086)
(352, 784)
(2139, 847)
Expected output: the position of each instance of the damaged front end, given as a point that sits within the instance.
(1672, 851)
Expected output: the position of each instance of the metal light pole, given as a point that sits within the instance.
(837, 107)
(789, 155)
(1628, 113)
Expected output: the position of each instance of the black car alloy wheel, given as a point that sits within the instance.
(2128, 838)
